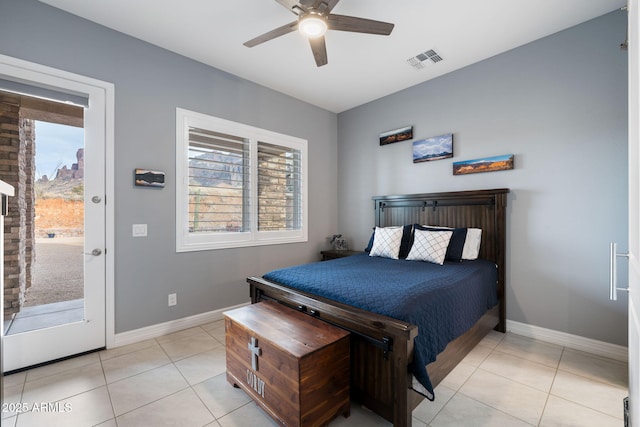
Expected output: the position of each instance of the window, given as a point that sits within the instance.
(237, 185)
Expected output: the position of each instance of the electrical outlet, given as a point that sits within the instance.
(173, 299)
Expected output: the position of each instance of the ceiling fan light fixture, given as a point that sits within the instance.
(312, 26)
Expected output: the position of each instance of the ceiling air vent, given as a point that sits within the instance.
(427, 56)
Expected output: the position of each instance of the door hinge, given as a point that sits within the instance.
(625, 406)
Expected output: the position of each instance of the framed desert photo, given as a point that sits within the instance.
(434, 148)
(487, 164)
(396, 135)
(149, 178)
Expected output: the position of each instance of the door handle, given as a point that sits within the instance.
(95, 252)
(613, 272)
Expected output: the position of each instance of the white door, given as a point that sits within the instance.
(88, 331)
(634, 213)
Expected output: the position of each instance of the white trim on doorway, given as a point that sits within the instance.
(26, 72)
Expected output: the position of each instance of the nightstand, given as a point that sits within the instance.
(333, 254)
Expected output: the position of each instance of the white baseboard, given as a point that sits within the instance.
(599, 348)
(154, 331)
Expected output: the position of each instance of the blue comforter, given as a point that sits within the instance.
(444, 301)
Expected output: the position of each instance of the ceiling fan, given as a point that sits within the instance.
(314, 19)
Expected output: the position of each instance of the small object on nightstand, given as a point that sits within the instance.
(333, 254)
(339, 243)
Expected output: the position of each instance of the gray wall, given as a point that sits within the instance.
(150, 83)
(560, 105)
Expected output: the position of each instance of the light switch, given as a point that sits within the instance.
(139, 230)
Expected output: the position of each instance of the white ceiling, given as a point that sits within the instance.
(361, 67)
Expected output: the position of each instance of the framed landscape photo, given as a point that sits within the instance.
(434, 148)
(487, 164)
(396, 135)
(149, 178)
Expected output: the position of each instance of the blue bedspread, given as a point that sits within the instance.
(444, 301)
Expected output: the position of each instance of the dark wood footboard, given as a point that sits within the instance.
(382, 347)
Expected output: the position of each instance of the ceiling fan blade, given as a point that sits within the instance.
(319, 49)
(318, 5)
(359, 25)
(270, 35)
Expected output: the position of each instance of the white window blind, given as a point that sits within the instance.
(237, 185)
(219, 182)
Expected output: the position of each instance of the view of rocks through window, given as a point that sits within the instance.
(59, 219)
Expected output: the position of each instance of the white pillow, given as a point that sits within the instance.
(429, 246)
(386, 242)
(472, 244)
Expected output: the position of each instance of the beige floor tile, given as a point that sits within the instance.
(12, 401)
(129, 364)
(182, 409)
(520, 370)
(493, 338)
(18, 378)
(595, 367)
(62, 366)
(248, 415)
(130, 348)
(221, 397)
(563, 413)
(361, 416)
(426, 411)
(85, 409)
(462, 411)
(530, 349)
(477, 355)
(215, 329)
(203, 366)
(53, 388)
(133, 392)
(184, 346)
(179, 335)
(417, 423)
(515, 399)
(504, 381)
(602, 397)
(458, 376)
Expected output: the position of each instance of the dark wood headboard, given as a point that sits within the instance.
(484, 209)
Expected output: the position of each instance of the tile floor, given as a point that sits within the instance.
(179, 380)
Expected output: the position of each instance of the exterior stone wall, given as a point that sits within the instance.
(28, 173)
(17, 168)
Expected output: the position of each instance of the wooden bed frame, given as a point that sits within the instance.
(382, 347)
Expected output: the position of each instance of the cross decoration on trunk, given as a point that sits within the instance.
(255, 352)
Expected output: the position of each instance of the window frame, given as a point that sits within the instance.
(187, 241)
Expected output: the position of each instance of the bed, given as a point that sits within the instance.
(383, 348)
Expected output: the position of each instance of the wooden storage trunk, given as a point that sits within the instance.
(294, 366)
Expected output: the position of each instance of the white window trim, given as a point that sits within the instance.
(187, 242)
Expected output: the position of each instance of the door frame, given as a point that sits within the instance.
(40, 74)
(633, 43)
